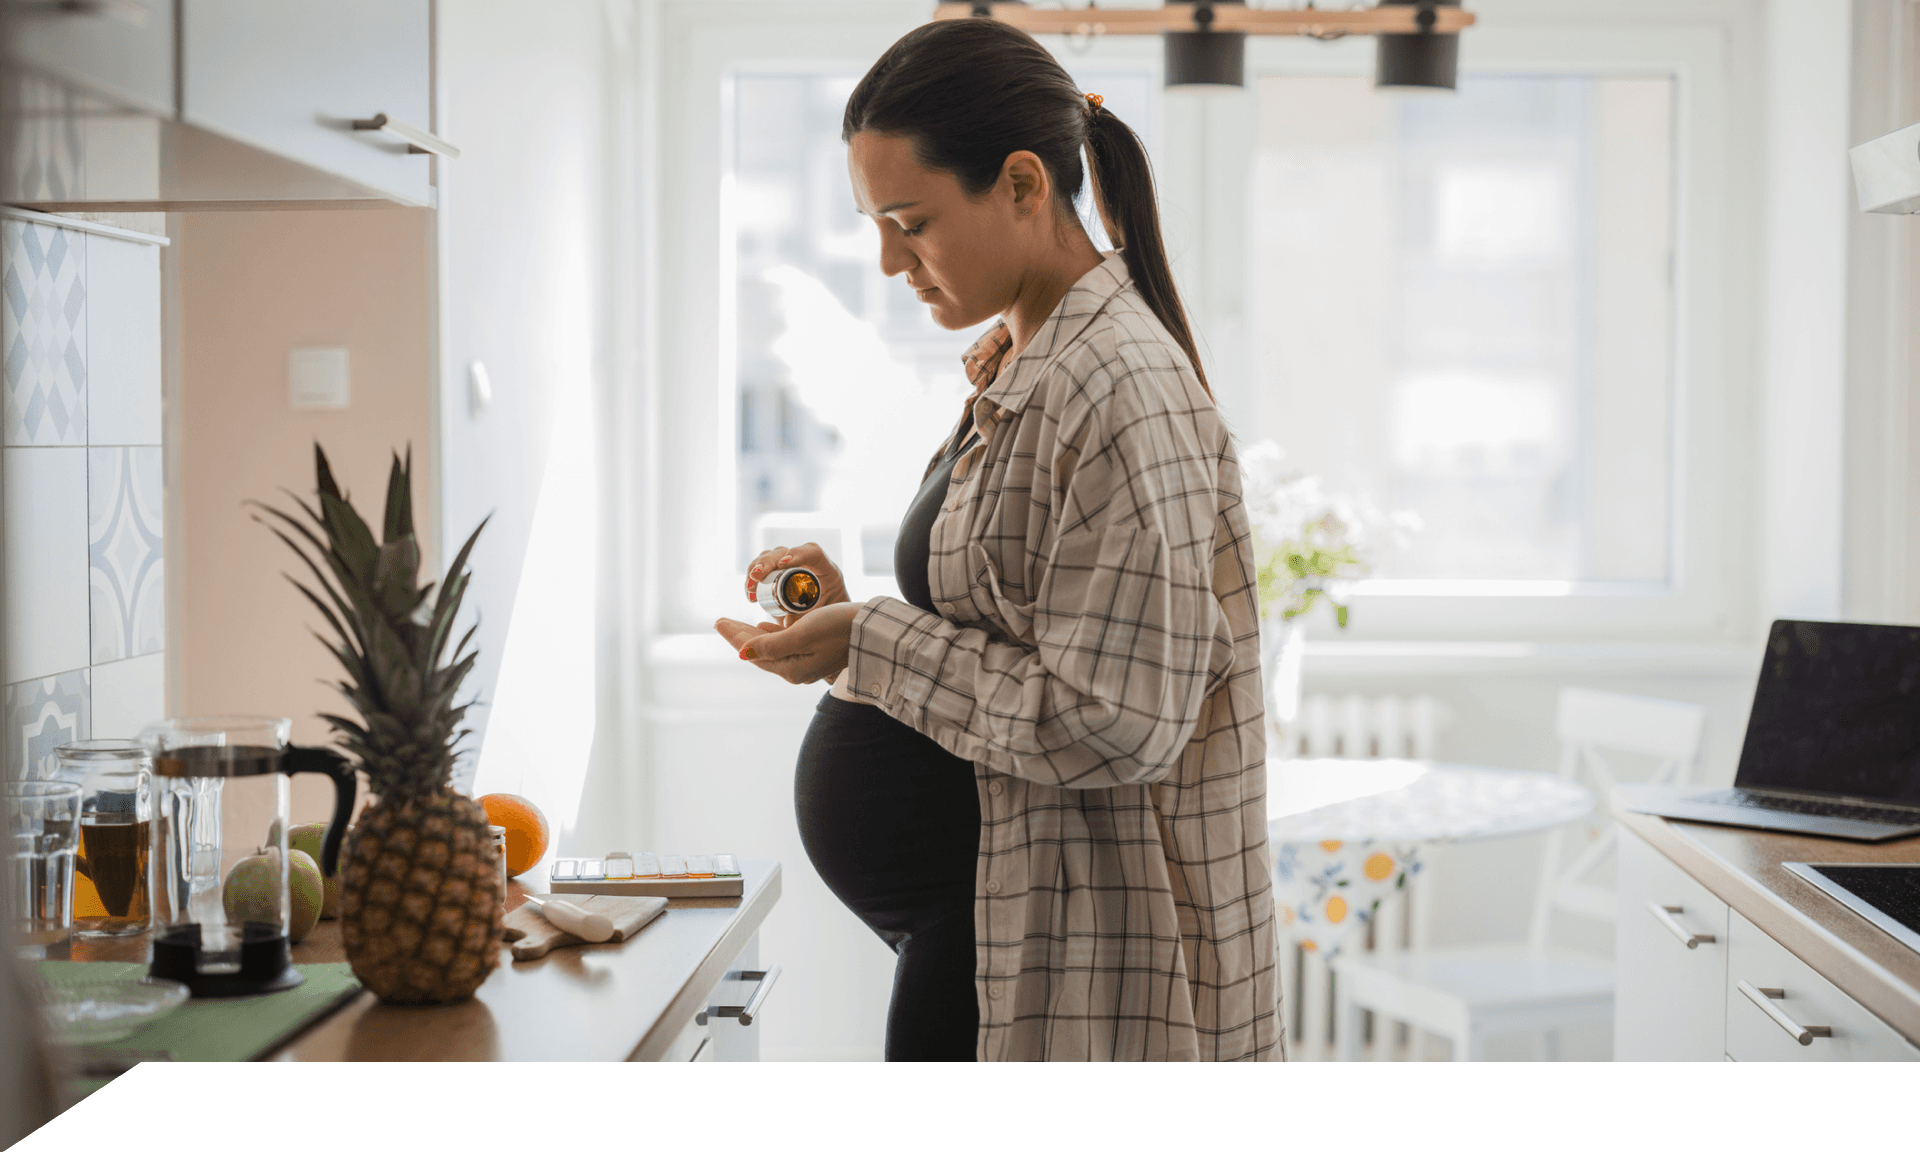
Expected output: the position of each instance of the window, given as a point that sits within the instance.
(1506, 308)
(1463, 306)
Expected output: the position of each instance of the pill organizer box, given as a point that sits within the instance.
(646, 874)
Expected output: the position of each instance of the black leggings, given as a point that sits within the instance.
(892, 823)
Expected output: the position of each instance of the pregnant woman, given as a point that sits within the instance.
(1040, 776)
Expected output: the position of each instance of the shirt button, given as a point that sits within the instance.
(995, 788)
(993, 886)
(874, 688)
(993, 991)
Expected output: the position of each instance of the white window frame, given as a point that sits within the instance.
(1702, 599)
(694, 398)
(1205, 183)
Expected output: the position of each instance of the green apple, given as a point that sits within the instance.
(308, 891)
(252, 891)
(311, 839)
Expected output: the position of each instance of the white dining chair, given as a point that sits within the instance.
(1470, 992)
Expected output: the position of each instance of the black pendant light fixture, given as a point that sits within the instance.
(1206, 40)
(1426, 59)
(1205, 58)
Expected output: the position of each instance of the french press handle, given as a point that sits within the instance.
(327, 762)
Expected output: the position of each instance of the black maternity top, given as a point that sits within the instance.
(891, 821)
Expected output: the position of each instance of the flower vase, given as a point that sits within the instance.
(1283, 645)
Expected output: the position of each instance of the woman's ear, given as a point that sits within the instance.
(1026, 177)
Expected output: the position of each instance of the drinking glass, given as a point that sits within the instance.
(43, 829)
(112, 894)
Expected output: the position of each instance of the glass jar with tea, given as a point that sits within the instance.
(111, 891)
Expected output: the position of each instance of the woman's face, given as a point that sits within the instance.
(961, 255)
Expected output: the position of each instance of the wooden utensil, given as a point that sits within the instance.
(533, 935)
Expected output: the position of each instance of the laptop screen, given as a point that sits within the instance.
(1837, 711)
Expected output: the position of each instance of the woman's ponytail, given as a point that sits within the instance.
(1124, 195)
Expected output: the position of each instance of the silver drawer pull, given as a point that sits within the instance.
(763, 984)
(1664, 914)
(1764, 998)
(413, 138)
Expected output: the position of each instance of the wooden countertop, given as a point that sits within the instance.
(594, 1002)
(1743, 867)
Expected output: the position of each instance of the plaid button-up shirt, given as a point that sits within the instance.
(1096, 655)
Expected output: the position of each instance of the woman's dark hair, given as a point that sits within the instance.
(970, 93)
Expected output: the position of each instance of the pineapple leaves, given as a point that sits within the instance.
(324, 474)
(389, 630)
(352, 539)
(399, 522)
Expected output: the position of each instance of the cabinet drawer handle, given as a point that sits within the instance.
(1764, 998)
(413, 138)
(1664, 914)
(763, 984)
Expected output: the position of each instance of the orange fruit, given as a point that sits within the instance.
(526, 829)
(1379, 866)
(1336, 910)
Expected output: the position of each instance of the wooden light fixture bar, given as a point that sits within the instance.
(1400, 19)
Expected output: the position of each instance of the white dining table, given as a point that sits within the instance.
(1347, 834)
(1329, 798)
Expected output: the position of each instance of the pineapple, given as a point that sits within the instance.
(420, 896)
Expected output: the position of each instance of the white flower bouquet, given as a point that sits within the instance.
(1308, 545)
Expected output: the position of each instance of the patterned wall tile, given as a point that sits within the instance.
(128, 695)
(125, 578)
(43, 714)
(123, 342)
(46, 629)
(43, 334)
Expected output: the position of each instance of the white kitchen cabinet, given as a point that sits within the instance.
(747, 984)
(123, 54)
(290, 77)
(1670, 965)
(1778, 1008)
(184, 105)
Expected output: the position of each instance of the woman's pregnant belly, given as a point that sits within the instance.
(890, 819)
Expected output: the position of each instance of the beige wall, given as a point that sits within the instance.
(252, 286)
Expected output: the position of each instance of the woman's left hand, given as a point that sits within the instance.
(811, 648)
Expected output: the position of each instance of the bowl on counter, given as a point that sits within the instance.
(112, 1006)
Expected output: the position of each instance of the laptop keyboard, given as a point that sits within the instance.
(1741, 798)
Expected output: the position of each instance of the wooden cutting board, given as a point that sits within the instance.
(533, 936)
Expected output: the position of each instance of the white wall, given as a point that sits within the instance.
(1883, 314)
(531, 266)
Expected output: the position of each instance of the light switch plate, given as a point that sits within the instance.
(318, 378)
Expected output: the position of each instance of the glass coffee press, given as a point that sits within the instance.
(222, 927)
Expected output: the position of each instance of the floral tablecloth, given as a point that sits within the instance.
(1329, 889)
(1346, 834)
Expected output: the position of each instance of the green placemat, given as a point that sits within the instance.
(239, 1028)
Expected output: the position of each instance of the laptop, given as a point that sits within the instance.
(1833, 742)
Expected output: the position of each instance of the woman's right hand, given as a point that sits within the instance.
(833, 587)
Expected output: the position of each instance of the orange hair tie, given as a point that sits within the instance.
(1095, 99)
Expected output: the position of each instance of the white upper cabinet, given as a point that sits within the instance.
(121, 53)
(177, 105)
(291, 78)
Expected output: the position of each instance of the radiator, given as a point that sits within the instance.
(1361, 728)
(1368, 727)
